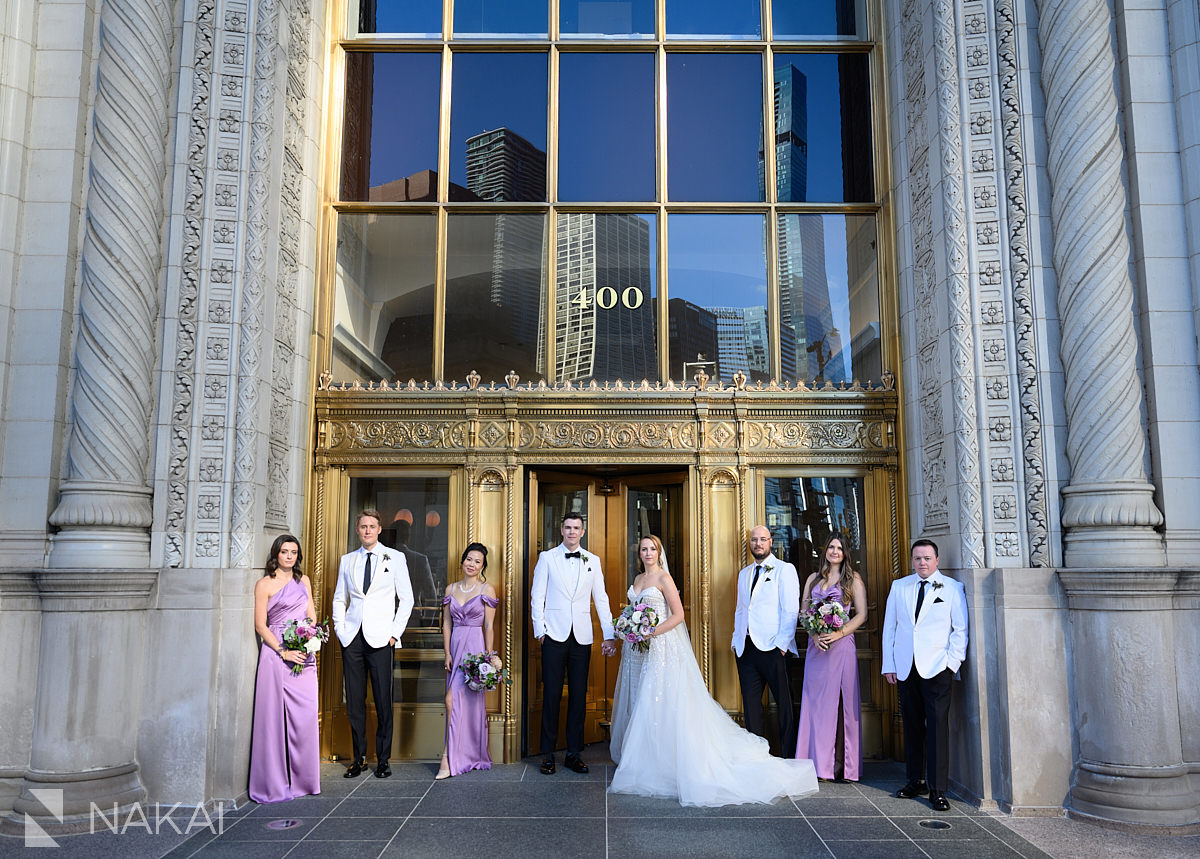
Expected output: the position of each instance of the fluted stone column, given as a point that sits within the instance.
(1108, 508)
(1129, 766)
(104, 512)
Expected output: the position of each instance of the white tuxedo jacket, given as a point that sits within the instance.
(934, 641)
(769, 614)
(562, 591)
(383, 611)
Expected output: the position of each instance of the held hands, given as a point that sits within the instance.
(295, 657)
(825, 639)
(608, 647)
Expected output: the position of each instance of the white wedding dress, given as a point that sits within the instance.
(671, 739)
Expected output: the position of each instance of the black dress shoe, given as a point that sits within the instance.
(575, 764)
(383, 770)
(356, 769)
(548, 766)
(912, 790)
(938, 800)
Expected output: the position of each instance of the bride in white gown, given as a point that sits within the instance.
(669, 737)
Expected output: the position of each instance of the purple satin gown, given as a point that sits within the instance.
(466, 727)
(830, 677)
(284, 753)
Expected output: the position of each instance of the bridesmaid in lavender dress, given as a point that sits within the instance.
(284, 755)
(467, 627)
(830, 730)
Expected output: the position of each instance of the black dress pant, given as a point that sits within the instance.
(559, 658)
(756, 668)
(358, 660)
(925, 708)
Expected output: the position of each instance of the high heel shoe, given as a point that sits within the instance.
(441, 775)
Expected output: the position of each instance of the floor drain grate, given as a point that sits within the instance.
(935, 824)
(286, 823)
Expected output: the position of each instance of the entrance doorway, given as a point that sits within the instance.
(618, 510)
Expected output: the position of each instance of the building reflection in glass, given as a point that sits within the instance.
(384, 297)
(802, 512)
(718, 296)
(604, 298)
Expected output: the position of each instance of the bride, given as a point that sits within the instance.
(669, 737)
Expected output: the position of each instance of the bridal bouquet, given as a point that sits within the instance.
(635, 624)
(480, 674)
(825, 616)
(306, 635)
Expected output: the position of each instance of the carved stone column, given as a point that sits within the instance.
(1108, 508)
(1130, 765)
(104, 510)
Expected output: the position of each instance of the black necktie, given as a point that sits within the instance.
(573, 554)
(753, 584)
(367, 573)
(920, 599)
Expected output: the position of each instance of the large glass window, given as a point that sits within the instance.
(498, 126)
(605, 298)
(714, 126)
(829, 298)
(495, 295)
(606, 127)
(384, 297)
(676, 158)
(718, 316)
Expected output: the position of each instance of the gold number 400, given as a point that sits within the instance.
(606, 298)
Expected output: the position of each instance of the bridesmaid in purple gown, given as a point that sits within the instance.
(467, 627)
(284, 755)
(830, 730)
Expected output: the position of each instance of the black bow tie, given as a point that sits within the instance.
(574, 554)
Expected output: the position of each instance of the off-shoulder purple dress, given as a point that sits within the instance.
(284, 753)
(466, 727)
(830, 678)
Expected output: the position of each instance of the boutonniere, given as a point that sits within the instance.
(937, 586)
(386, 557)
(583, 556)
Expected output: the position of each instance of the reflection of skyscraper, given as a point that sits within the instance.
(731, 341)
(603, 268)
(504, 166)
(692, 334)
(758, 339)
(804, 304)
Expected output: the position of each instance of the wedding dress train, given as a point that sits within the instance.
(671, 739)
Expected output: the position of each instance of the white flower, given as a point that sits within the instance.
(769, 567)
(312, 645)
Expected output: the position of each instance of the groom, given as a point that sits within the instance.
(371, 605)
(565, 580)
(764, 631)
(924, 643)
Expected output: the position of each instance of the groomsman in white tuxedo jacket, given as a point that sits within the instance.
(764, 632)
(371, 606)
(566, 581)
(924, 643)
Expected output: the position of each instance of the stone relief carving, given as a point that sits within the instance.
(1109, 502)
(1017, 212)
(924, 274)
(962, 337)
(254, 285)
(111, 403)
(183, 377)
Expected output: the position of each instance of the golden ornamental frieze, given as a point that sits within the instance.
(597, 435)
(375, 435)
(818, 435)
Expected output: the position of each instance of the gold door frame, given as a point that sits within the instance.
(487, 438)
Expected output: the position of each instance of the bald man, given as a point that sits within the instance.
(764, 632)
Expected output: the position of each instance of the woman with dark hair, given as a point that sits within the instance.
(830, 729)
(284, 755)
(467, 627)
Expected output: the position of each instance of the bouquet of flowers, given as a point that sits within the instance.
(306, 635)
(480, 674)
(825, 616)
(635, 624)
